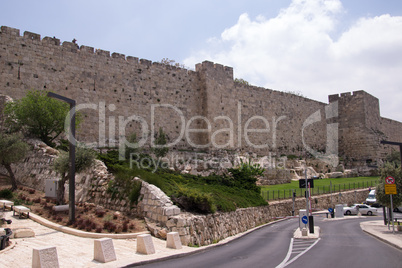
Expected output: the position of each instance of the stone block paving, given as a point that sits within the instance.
(74, 251)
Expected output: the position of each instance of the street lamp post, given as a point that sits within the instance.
(71, 139)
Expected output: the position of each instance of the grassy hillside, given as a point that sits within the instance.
(193, 193)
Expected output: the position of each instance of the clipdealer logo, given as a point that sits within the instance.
(270, 128)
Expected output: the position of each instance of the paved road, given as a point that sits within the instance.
(342, 244)
(265, 247)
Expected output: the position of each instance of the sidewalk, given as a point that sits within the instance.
(75, 248)
(380, 231)
(72, 250)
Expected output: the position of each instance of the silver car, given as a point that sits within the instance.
(363, 209)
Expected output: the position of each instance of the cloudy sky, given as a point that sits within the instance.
(313, 47)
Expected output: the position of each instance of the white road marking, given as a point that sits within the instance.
(293, 250)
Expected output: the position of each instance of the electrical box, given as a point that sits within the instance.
(338, 211)
(51, 188)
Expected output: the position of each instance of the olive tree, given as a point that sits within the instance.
(12, 150)
(84, 158)
(38, 116)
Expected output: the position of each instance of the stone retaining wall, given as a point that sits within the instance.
(211, 228)
(155, 204)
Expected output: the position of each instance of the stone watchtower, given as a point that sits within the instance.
(359, 127)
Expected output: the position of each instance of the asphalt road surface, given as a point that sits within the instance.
(341, 244)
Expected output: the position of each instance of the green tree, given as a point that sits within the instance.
(394, 157)
(246, 175)
(12, 150)
(241, 81)
(84, 158)
(167, 61)
(38, 115)
(395, 172)
(159, 149)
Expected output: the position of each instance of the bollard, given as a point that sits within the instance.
(173, 240)
(145, 244)
(104, 250)
(45, 257)
(311, 224)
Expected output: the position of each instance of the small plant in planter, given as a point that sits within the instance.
(100, 212)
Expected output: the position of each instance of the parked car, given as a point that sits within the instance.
(398, 209)
(362, 208)
(371, 200)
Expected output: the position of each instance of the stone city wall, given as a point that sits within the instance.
(120, 95)
(361, 129)
(200, 110)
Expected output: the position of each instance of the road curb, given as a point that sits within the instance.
(80, 233)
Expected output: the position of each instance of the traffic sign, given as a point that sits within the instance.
(389, 180)
(330, 210)
(302, 183)
(390, 188)
(304, 219)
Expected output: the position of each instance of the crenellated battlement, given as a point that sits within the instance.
(215, 68)
(85, 50)
(347, 95)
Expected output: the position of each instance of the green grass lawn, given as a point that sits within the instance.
(281, 191)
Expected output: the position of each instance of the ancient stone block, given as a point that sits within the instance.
(145, 244)
(45, 257)
(104, 250)
(173, 240)
(23, 232)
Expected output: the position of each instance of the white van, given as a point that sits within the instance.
(371, 199)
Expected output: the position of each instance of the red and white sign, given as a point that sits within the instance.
(389, 180)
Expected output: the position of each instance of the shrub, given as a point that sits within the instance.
(6, 194)
(125, 227)
(193, 200)
(135, 192)
(100, 212)
(109, 226)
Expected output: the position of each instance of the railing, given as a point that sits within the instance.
(317, 190)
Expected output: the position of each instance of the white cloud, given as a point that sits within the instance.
(296, 51)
